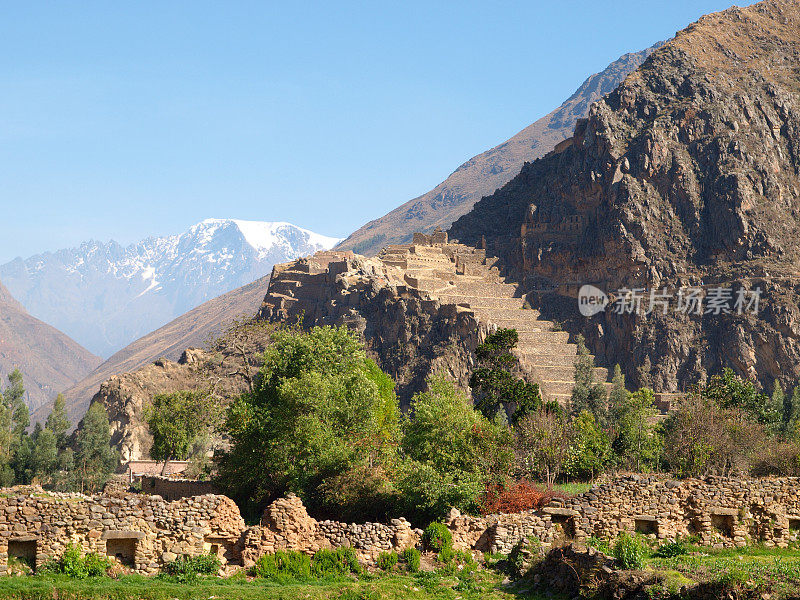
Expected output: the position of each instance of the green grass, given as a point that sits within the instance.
(573, 489)
(773, 570)
(423, 586)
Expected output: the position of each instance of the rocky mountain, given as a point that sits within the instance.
(197, 328)
(687, 176)
(105, 295)
(483, 174)
(49, 360)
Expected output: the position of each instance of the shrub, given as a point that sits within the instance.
(73, 563)
(452, 452)
(437, 537)
(334, 563)
(387, 560)
(186, 568)
(629, 552)
(514, 498)
(282, 565)
(411, 558)
(671, 549)
(601, 544)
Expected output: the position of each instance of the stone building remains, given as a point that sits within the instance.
(145, 532)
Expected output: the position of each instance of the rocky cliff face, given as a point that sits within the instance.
(406, 330)
(483, 174)
(688, 174)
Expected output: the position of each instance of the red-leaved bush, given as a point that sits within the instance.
(516, 497)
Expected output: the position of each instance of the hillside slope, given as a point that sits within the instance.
(483, 174)
(687, 175)
(49, 360)
(191, 330)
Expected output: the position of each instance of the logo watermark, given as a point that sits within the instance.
(591, 300)
(684, 300)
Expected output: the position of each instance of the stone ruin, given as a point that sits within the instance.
(145, 532)
(435, 299)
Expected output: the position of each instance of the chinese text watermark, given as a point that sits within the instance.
(684, 300)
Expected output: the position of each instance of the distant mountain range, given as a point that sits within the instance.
(483, 174)
(104, 295)
(49, 360)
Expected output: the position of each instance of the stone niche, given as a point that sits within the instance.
(123, 545)
(23, 549)
(645, 524)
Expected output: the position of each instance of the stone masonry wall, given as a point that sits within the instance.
(145, 532)
(175, 489)
(286, 525)
(720, 511)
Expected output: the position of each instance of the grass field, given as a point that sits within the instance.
(420, 587)
(769, 570)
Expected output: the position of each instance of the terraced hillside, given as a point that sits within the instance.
(453, 285)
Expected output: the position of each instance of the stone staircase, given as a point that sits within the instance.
(465, 277)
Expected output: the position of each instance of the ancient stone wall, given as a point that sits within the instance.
(409, 334)
(142, 532)
(719, 511)
(146, 532)
(286, 525)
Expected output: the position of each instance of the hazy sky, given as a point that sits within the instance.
(123, 120)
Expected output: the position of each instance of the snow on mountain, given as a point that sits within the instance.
(105, 295)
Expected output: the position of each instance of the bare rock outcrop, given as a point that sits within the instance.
(687, 175)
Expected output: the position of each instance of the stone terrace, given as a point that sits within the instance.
(449, 273)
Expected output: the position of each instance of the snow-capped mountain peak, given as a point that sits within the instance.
(105, 295)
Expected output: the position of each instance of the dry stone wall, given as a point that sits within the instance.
(285, 525)
(171, 488)
(720, 511)
(142, 532)
(146, 532)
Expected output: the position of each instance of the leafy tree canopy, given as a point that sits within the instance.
(319, 408)
(494, 384)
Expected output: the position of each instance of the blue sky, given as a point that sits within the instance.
(123, 120)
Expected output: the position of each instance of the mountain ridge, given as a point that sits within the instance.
(105, 295)
(686, 175)
(482, 174)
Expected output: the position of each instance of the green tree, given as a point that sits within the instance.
(543, 442)
(15, 400)
(587, 394)
(619, 393)
(494, 385)
(728, 390)
(44, 455)
(319, 408)
(7, 444)
(791, 414)
(58, 422)
(177, 421)
(453, 452)
(590, 451)
(94, 458)
(639, 442)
